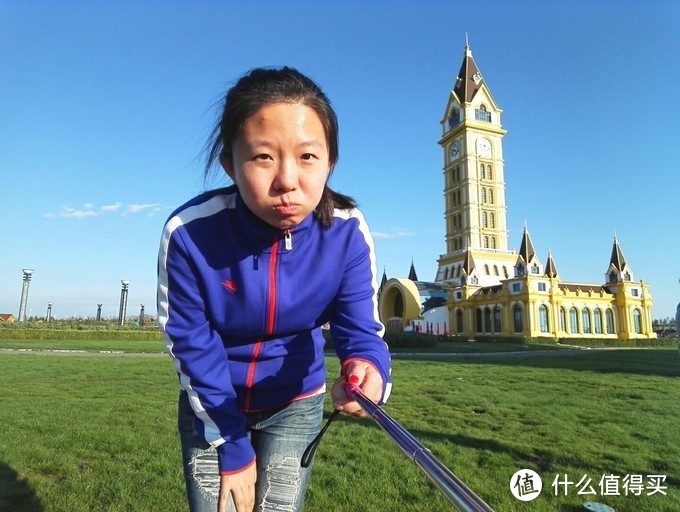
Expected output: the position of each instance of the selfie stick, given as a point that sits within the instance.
(460, 496)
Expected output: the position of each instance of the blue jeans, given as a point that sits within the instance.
(279, 437)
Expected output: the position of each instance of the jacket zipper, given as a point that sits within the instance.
(288, 244)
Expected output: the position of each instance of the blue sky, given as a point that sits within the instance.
(105, 107)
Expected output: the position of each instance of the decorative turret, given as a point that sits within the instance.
(412, 273)
(619, 270)
(527, 258)
(550, 268)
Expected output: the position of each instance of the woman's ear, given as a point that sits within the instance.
(228, 165)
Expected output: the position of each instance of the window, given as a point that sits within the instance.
(516, 287)
(495, 270)
(497, 319)
(459, 321)
(635, 292)
(563, 320)
(609, 317)
(517, 316)
(492, 220)
(487, 321)
(543, 318)
(486, 269)
(612, 276)
(585, 315)
(486, 242)
(485, 220)
(491, 196)
(627, 276)
(483, 192)
(479, 320)
(573, 321)
(482, 174)
(459, 295)
(637, 321)
(493, 242)
(597, 317)
(481, 114)
(489, 173)
(454, 118)
(535, 269)
(505, 272)
(541, 287)
(520, 270)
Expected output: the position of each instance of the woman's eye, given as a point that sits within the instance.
(262, 156)
(308, 156)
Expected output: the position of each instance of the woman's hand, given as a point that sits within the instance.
(242, 488)
(370, 382)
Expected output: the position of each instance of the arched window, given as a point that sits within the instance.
(573, 321)
(505, 272)
(597, 317)
(487, 321)
(483, 195)
(485, 220)
(493, 242)
(446, 273)
(482, 174)
(563, 320)
(517, 316)
(491, 196)
(585, 315)
(543, 318)
(637, 321)
(492, 220)
(489, 172)
(497, 319)
(486, 242)
(495, 270)
(486, 269)
(459, 321)
(479, 319)
(609, 318)
(481, 114)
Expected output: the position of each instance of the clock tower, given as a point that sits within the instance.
(474, 184)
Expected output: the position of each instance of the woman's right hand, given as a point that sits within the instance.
(242, 488)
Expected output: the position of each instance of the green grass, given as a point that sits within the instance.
(132, 346)
(98, 433)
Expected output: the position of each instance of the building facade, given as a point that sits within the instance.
(494, 290)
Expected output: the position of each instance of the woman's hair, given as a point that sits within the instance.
(265, 86)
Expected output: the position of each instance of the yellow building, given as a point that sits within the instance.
(493, 290)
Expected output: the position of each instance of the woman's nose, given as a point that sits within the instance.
(286, 176)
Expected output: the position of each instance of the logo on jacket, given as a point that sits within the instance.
(230, 285)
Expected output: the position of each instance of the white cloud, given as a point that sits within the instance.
(111, 207)
(136, 208)
(397, 233)
(71, 213)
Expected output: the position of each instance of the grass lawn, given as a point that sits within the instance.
(98, 433)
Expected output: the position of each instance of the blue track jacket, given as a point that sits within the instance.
(241, 305)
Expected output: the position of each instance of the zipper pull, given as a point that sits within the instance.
(288, 239)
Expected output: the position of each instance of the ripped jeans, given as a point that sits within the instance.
(279, 437)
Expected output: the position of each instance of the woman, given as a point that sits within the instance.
(247, 277)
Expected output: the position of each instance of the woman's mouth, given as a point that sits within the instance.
(286, 209)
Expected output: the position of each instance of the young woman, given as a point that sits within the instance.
(248, 275)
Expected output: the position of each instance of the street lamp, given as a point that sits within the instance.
(123, 301)
(49, 312)
(24, 293)
(141, 316)
(99, 312)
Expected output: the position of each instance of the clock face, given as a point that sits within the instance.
(484, 147)
(477, 78)
(455, 151)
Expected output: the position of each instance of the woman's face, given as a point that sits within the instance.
(280, 163)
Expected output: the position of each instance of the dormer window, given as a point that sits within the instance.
(481, 114)
(454, 118)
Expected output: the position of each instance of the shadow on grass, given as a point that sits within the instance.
(15, 493)
(659, 362)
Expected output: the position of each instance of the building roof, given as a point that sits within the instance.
(583, 287)
(466, 87)
(469, 262)
(526, 250)
(617, 259)
(550, 267)
(5, 317)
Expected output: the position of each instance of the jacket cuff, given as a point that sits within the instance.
(234, 457)
(387, 384)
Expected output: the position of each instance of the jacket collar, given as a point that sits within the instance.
(263, 235)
